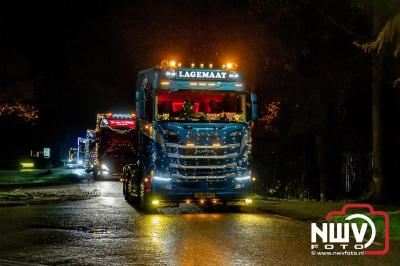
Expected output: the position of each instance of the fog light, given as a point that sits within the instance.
(155, 202)
(237, 186)
(248, 201)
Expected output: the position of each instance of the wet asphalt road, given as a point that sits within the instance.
(106, 230)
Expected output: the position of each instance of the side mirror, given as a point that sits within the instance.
(254, 107)
(139, 95)
(139, 104)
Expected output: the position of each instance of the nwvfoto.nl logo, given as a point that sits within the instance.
(353, 236)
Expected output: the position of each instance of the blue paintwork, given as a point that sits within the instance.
(158, 155)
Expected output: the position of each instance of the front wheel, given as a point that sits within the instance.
(130, 191)
(143, 199)
(124, 190)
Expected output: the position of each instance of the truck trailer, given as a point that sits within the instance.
(90, 150)
(193, 137)
(81, 151)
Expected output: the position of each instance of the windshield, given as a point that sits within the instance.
(201, 106)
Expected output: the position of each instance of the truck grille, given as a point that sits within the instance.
(203, 161)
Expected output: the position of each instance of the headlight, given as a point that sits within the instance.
(243, 178)
(104, 167)
(159, 178)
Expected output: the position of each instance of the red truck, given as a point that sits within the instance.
(115, 147)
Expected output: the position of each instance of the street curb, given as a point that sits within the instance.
(17, 263)
(33, 185)
(285, 214)
(288, 216)
(49, 200)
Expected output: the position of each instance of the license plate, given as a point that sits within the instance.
(204, 195)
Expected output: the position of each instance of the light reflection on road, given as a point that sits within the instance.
(106, 230)
(200, 238)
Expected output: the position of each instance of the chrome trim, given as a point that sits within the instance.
(202, 177)
(225, 156)
(230, 165)
(176, 145)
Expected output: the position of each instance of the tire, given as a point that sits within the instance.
(130, 195)
(124, 192)
(143, 202)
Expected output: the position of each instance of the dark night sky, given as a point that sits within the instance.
(84, 55)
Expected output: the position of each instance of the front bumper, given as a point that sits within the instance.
(182, 191)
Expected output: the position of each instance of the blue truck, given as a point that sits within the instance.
(193, 137)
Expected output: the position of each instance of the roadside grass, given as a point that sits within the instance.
(299, 209)
(394, 223)
(19, 195)
(317, 211)
(31, 177)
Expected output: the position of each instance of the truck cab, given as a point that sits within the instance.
(115, 144)
(194, 138)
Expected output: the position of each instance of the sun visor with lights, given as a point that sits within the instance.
(122, 123)
(203, 74)
(117, 120)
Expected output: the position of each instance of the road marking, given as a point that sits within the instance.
(283, 217)
(18, 263)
